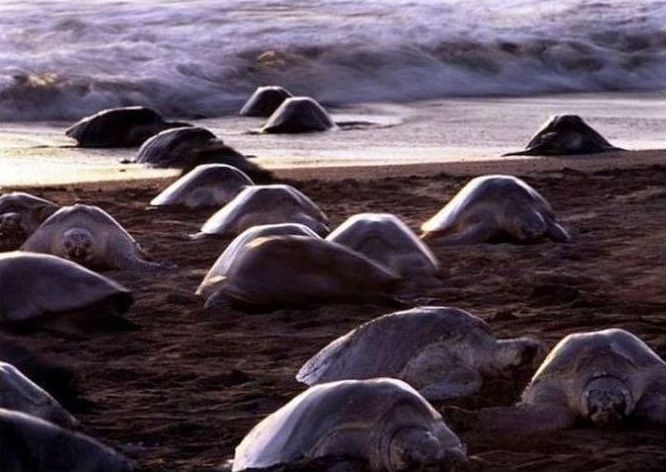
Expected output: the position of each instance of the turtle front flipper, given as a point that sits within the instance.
(651, 408)
(475, 233)
(557, 233)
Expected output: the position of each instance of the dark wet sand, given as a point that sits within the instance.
(180, 392)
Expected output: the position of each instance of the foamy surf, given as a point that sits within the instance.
(64, 60)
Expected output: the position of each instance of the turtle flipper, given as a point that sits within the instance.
(473, 234)
(651, 408)
(557, 233)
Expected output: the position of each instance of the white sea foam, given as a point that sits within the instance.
(63, 59)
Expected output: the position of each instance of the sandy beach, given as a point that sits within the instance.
(181, 391)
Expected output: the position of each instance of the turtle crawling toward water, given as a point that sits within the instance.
(442, 352)
(31, 444)
(40, 290)
(265, 100)
(385, 239)
(19, 393)
(20, 215)
(205, 186)
(602, 377)
(187, 148)
(88, 236)
(119, 127)
(379, 424)
(221, 266)
(293, 271)
(494, 208)
(298, 115)
(563, 135)
(265, 204)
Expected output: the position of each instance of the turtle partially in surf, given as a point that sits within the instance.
(265, 100)
(298, 115)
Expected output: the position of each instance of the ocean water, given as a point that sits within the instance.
(62, 60)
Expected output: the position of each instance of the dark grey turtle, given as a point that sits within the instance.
(565, 134)
(89, 236)
(382, 424)
(298, 115)
(46, 291)
(265, 100)
(31, 444)
(440, 351)
(219, 270)
(385, 239)
(19, 393)
(265, 204)
(20, 215)
(281, 271)
(187, 148)
(205, 186)
(494, 208)
(604, 377)
(119, 127)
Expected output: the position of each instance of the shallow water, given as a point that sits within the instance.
(62, 60)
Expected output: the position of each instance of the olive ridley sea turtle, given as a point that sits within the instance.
(603, 377)
(205, 186)
(442, 352)
(20, 215)
(265, 100)
(494, 208)
(382, 424)
(88, 236)
(565, 134)
(298, 115)
(265, 204)
(119, 127)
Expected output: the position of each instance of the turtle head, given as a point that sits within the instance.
(606, 400)
(521, 353)
(12, 233)
(78, 243)
(416, 447)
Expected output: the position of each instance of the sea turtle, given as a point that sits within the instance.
(379, 424)
(186, 148)
(265, 204)
(494, 208)
(19, 393)
(603, 377)
(278, 271)
(385, 239)
(20, 215)
(205, 186)
(89, 236)
(219, 270)
(298, 115)
(442, 352)
(119, 127)
(47, 291)
(265, 100)
(565, 134)
(32, 444)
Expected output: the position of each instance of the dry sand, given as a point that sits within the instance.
(180, 392)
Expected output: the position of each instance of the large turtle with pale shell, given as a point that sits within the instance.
(494, 208)
(379, 425)
(442, 352)
(564, 135)
(221, 266)
(46, 291)
(205, 186)
(298, 115)
(32, 444)
(265, 204)
(281, 271)
(187, 148)
(265, 100)
(603, 377)
(19, 393)
(119, 127)
(385, 239)
(88, 236)
(20, 215)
